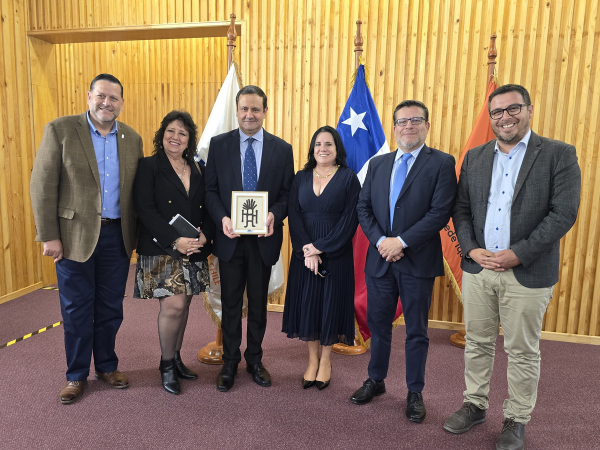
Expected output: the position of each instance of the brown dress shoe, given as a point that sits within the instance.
(115, 379)
(71, 391)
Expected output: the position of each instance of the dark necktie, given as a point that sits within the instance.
(250, 167)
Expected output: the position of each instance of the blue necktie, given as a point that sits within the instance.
(399, 177)
(250, 167)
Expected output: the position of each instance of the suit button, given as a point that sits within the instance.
(169, 201)
(481, 230)
(200, 206)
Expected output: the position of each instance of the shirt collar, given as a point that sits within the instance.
(258, 136)
(95, 130)
(414, 153)
(524, 141)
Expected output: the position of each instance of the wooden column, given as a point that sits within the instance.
(357, 348)
(458, 339)
(213, 352)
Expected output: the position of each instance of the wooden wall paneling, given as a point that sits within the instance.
(433, 51)
(297, 84)
(6, 284)
(562, 50)
(13, 202)
(24, 141)
(431, 72)
(574, 239)
(578, 306)
(544, 128)
(307, 63)
(591, 285)
(19, 265)
(436, 114)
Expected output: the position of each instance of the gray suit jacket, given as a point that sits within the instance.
(65, 186)
(544, 207)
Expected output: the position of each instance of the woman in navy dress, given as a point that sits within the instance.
(323, 220)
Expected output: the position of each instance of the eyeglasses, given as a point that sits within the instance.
(413, 120)
(512, 110)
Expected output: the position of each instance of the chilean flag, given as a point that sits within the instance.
(363, 137)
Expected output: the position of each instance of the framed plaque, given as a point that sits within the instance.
(249, 211)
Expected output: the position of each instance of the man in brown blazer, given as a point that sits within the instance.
(81, 193)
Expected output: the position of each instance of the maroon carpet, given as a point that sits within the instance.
(282, 416)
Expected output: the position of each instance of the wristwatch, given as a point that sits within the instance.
(175, 243)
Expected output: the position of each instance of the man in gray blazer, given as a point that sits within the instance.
(518, 195)
(81, 194)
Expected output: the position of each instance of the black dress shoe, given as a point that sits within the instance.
(308, 383)
(168, 373)
(323, 384)
(369, 389)
(512, 436)
(226, 376)
(464, 419)
(415, 408)
(260, 375)
(182, 371)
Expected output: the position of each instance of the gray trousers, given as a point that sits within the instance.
(490, 299)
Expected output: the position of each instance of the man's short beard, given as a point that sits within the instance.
(99, 119)
(411, 146)
(513, 140)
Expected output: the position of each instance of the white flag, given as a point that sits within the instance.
(221, 120)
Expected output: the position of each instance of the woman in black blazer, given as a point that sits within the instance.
(166, 184)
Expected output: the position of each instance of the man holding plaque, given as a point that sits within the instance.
(252, 160)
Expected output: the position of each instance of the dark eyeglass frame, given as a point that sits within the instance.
(419, 121)
(500, 111)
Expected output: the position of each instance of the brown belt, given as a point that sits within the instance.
(105, 221)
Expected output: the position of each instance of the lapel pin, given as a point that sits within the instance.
(122, 136)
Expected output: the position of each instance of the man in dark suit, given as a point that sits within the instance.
(518, 195)
(247, 159)
(406, 199)
(81, 194)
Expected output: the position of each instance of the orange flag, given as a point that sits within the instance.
(482, 133)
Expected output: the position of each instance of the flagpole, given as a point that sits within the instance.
(358, 45)
(458, 339)
(213, 352)
(231, 37)
(357, 348)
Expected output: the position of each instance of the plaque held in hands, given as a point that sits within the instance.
(249, 211)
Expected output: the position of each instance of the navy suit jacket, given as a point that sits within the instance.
(423, 208)
(224, 175)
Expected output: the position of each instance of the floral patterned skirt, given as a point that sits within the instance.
(163, 276)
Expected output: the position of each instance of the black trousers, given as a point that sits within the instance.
(244, 270)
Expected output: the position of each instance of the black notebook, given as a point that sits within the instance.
(183, 227)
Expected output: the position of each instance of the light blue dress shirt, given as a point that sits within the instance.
(257, 145)
(107, 157)
(409, 165)
(504, 177)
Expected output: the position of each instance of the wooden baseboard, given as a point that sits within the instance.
(273, 307)
(546, 335)
(21, 292)
(575, 338)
